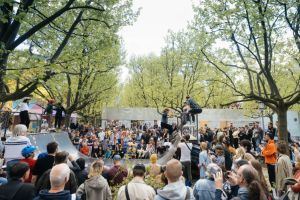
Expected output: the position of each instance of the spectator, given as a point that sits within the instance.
(137, 188)
(283, 168)
(44, 163)
(220, 158)
(204, 160)
(28, 154)
(150, 148)
(117, 173)
(248, 183)
(269, 153)
(296, 187)
(82, 174)
(96, 187)
(205, 189)
(71, 185)
(85, 149)
(175, 189)
(59, 176)
(16, 189)
(246, 144)
(185, 159)
(154, 169)
(258, 167)
(15, 144)
(242, 154)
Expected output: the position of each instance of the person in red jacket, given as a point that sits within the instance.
(269, 152)
(85, 149)
(28, 154)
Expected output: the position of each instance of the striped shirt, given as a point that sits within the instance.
(14, 146)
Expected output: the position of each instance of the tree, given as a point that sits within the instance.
(44, 29)
(255, 47)
(165, 80)
(87, 77)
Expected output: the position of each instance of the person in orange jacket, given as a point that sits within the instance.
(269, 152)
(85, 149)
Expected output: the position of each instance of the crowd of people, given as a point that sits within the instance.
(229, 164)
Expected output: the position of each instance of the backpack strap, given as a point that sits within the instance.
(188, 146)
(126, 192)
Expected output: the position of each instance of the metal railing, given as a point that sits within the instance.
(8, 119)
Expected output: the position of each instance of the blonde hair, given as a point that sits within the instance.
(240, 153)
(96, 168)
(153, 158)
(203, 145)
(173, 170)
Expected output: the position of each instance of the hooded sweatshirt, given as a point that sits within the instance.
(175, 191)
(63, 195)
(95, 188)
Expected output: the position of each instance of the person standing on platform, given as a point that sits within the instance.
(194, 107)
(48, 112)
(164, 121)
(24, 115)
(58, 115)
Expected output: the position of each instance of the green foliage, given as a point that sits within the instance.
(165, 80)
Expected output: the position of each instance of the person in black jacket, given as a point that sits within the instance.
(82, 174)
(58, 115)
(16, 189)
(71, 184)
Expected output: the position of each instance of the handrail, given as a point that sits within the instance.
(13, 113)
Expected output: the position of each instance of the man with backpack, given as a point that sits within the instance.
(185, 158)
(136, 188)
(16, 189)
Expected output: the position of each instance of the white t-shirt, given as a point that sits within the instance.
(14, 146)
(101, 135)
(185, 151)
(23, 107)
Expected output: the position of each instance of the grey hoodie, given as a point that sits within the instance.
(95, 188)
(175, 191)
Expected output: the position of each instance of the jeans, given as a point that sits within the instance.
(257, 143)
(195, 111)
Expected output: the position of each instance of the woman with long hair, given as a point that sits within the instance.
(96, 187)
(256, 164)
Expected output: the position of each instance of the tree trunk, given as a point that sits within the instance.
(3, 66)
(282, 124)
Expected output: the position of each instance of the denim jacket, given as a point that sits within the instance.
(204, 189)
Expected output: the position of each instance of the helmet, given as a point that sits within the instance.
(28, 150)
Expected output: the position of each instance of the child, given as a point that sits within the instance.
(28, 154)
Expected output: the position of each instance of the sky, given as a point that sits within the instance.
(156, 17)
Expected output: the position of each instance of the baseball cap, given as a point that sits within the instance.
(28, 150)
(117, 157)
